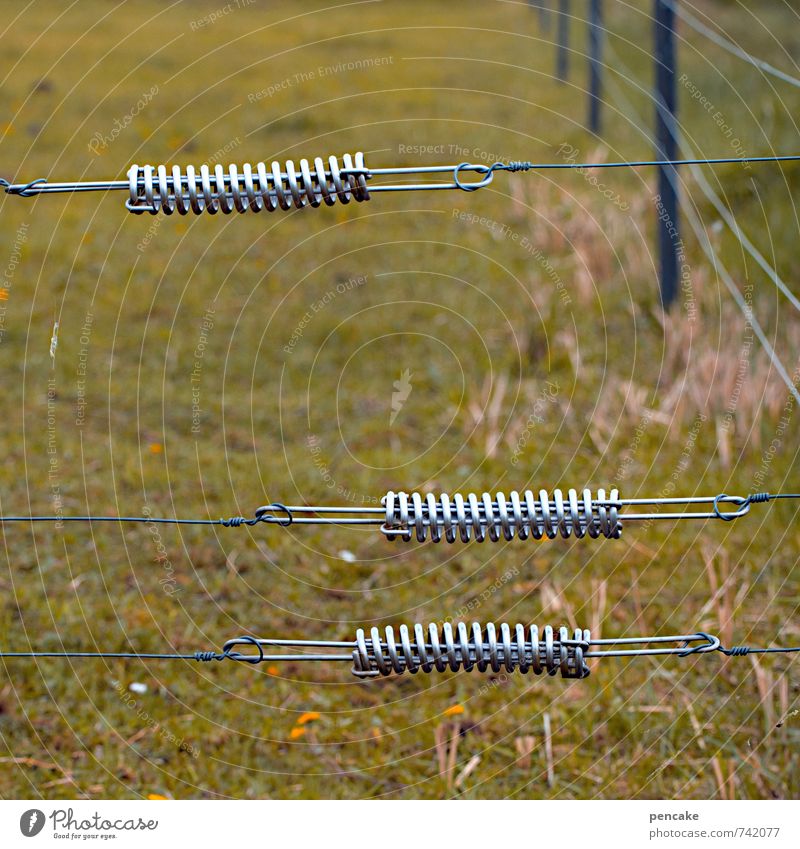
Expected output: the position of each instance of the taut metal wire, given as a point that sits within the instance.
(259, 187)
(487, 648)
(468, 517)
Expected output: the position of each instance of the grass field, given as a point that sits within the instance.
(207, 365)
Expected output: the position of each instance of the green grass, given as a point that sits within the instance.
(479, 320)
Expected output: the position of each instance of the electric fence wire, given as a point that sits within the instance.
(285, 186)
(440, 648)
(476, 517)
(447, 647)
(726, 44)
(700, 232)
(485, 647)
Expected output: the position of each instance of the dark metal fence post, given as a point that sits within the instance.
(595, 62)
(544, 16)
(562, 29)
(666, 148)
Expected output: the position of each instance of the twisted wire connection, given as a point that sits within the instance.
(442, 648)
(257, 188)
(24, 190)
(464, 518)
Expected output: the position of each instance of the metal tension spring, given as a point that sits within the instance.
(471, 517)
(522, 515)
(258, 188)
(487, 648)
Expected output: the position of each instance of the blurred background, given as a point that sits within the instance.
(505, 339)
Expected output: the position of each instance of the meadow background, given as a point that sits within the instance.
(528, 318)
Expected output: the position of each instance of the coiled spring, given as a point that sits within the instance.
(254, 187)
(495, 516)
(521, 649)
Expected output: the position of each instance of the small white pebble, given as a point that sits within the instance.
(347, 556)
(137, 687)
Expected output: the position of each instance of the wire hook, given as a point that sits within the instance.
(261, 514)
(486, 170)
(743, 506)
(229, 654)
(712, 644)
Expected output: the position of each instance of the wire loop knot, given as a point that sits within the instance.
(712, 644)
(743, 506)
(487, 171)
(266, 514)
(229, 654)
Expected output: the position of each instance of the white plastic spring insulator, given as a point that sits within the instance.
(254, 187)
(523, 516)
(517, 649)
